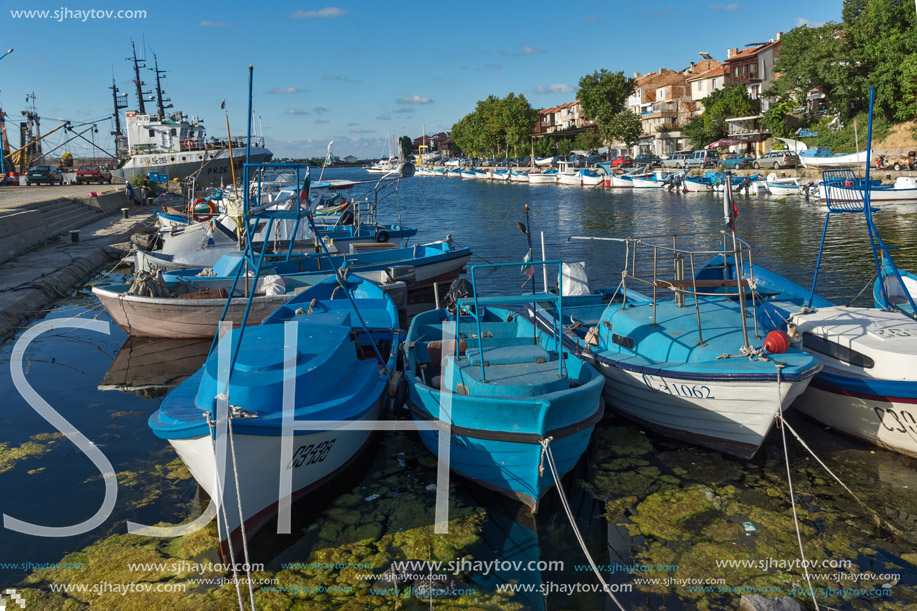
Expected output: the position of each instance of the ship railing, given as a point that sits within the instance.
(670, 263)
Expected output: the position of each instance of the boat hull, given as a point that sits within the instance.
(208, 171)
(542, 179)
(259, 472)
(616, 182)
(730, 417)
(888, 422)
(175, 318)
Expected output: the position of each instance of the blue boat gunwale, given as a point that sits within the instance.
(576, 348)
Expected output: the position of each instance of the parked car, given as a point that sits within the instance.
(702, 159)
(594, 158)
(676, 160)
(650, 160)
(776, 160)
(92, 173)
(734, 161)
(43, 174)
(622, 161)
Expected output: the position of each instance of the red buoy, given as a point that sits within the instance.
(777, 342)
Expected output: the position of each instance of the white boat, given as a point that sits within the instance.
(568, 175)
(385, 166)
(903, 191)
(330, 383)
(544, 161)
(786, 186)
(656, 180)
(821, 158)
(592, 179)
(868, 386)
(189, 315)
(548, 177)
(515, 176)
(502, 174)
(468, 174)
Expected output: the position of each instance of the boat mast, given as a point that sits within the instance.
(160, 107)
(137, 82)
(120, 102)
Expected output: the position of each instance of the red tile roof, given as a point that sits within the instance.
(718, 71)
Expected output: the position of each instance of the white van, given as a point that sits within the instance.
(703, 159)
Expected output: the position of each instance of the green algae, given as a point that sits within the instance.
(11, 455)
(114, 415)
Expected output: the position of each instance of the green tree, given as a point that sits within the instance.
(407, 146)
(518, 118)
(587, 140)
(777, 118)
(603, 95)
(625, 126)
(696, 132)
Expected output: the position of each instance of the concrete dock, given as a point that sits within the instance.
(39, 262)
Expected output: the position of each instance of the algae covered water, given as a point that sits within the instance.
(671, 526)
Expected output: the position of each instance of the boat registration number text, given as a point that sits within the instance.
(692, 391)
(311, 454)
(901, 421)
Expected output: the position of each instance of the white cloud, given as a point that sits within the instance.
(383, 117)
(295, 111)
(555, 88)
(360, 130)
(809, 24)
(329, 12)
(322, 121)
(725, 7)
(414, 99)
(214, 24)
(320, 109)
(530, 50)
(404, 110)
(285, 90)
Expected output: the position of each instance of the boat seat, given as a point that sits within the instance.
(435, 350)
(509, 355)
(699, 283)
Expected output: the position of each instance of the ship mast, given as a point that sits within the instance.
(160, 108)
(120, 101)
(139, 84)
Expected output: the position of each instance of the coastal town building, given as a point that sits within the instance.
(754, 68)
(704, 84)
(565, 119)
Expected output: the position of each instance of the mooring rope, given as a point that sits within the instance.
(219, 487)
(789, 479)
(546, 452)
(876, 517)
(235, 474)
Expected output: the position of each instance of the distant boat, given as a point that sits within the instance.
(547, 177)
(337, 378)
(508, 387)
(568, 175)
(903, 191)
(821, 158)
(592, 179)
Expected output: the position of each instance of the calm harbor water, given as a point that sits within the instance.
(666, 511)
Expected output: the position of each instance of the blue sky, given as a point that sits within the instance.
(358, 71)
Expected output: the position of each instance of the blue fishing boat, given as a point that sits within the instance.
(692, 365)
(338, 328)
(868, 386)
(505, 388)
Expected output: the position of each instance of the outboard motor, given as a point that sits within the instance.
(459, 288)
(810, 188)
(745, 184)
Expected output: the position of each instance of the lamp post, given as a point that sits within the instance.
(2, 152)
